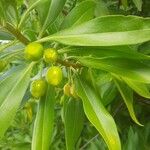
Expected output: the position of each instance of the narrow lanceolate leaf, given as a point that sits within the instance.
(138, 4)
(73, 117)
(127, 95)
(130, 68)
(8, 80)
(81, 13)
(97, 114)
(48, 15)
(112, 51)
(44, 122)
(139, 88)
(5, 35)
(124, 3)
(8, 11)
(105, 31)
(26, 14)
(120, 60)
(12, 100)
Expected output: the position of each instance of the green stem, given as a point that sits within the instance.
(41, 69)
(17, 34)
(69, 64)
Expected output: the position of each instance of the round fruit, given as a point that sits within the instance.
(66, 89)
(3, 64)
(38, 88)
(34, 51)
(50, 55)
(73, 92)
(54, 75)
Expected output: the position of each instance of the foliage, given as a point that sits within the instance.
(91, 60)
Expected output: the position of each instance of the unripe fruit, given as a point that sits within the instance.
(73, 92)
(66, 89)
(29, 111)
(50, 55)
(3, 64)
(38, 88)
(34, 51)
(54, 75)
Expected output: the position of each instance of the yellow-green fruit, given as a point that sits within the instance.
(66, 89)
(50, 55)
(73, 92)
(54, 75)
(34, 51)
(3, 64)
(38, 88)
(29, 111)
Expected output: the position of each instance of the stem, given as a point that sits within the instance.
(16, 33)
(25, 41)
(93, 138)
(41, 70)
(69, 64)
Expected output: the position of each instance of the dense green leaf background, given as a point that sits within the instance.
(103, 49)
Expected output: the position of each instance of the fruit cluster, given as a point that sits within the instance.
(34, 52)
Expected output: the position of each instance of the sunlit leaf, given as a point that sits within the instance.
(79, 14)
(97, 114)
(8, 80)
(129, 68)
(139, 88)
(105, 31)
(48, 15)
(43, 126)
(12, 100)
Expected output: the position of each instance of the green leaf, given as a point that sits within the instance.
(105, 31)
(8, 11)
(138, 4)
(101, 8)
(13, 98)
(5, 36)
(97, 114)
(43, 126)
(120, 60)
(145, 48)
(74, 118)
(103, 84)
(130, 68)
(27, 13)
(48, 15)
(139, 88)
(8, 80)
(112, 51)
(132, 141)
(79, 14)
(124, 3)
(127, 95)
